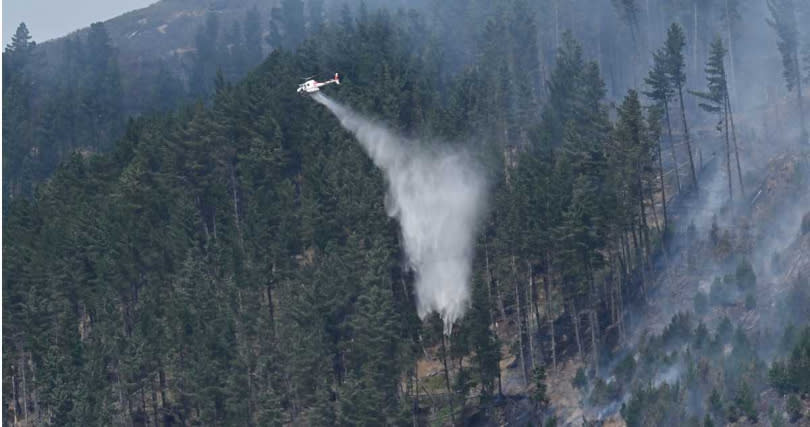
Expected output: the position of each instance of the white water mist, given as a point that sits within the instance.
(438, 197)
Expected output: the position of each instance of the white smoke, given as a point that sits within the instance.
(438, 197)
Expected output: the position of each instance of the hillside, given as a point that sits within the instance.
(166, 29)
(164, 37)
(489, 221)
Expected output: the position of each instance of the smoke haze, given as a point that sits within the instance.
(438, 196)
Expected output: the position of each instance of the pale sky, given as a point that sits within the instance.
(48, 19)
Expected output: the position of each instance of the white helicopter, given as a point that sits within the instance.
(312, 86)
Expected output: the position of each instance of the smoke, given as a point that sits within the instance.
(438, 196)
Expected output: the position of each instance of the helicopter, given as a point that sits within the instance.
(312, 86)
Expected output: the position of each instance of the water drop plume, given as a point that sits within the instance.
(438, 195)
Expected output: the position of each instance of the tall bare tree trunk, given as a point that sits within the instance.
(728, 151)
(155, 411)
(549, 317)
(162, 384)
(447, 379)
(736, 150)
(672, 146)
(415, 406)
(270, 304)
(575, 321)
(594, 329)
(653, 209)
(530, 308)
(24, 388)
(695, 41)
(236, 209)
(14, 398)
(523, 364)
(686, 136)
(799, 95)
(557, 24)
(643, 212)
(493, 293)
(649, 30)
(663, 186)
(731, 51)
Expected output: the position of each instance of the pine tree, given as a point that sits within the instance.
(101, 87)
(484, 341)
(315, 16)
(661, 92)
(18, 126)
(253, 38)
(731, 15)
(675, 66)
(19, 51)
(654, 123)
(632, 161)
(783, 21)
(287, 25)
(717, 101)
(204, 67)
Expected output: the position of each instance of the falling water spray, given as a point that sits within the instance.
(438, 196)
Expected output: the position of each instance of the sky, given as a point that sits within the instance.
(48, 19)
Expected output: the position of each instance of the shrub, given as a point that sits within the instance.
(604, 392)
(625, 369)
(794, 408)
(746, 279)
(701, 303)
(724, 329)
(750, 301)
(718, 292)
(791, 375)
(716, 403)
(580, 380)
(745, 401)
(701, 335)
(679, 328)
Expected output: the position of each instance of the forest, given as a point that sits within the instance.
(221, 253)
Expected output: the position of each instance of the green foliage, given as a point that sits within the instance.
(793, 406)
(744, 402)
(655, 406)
(715, 97)
(783, 21)
(716, 404)
(750, 301)
(719, 294)
(83, 109)
(678, 329)
(745, 276)
(724, 329)
(625, 369)
(792, 374)
(701, 336)
(701, 302)
(797, 299)
(483, 340)
(540, 395)
(232, 263)
(580, 380)
(604, 392)
(674, 59)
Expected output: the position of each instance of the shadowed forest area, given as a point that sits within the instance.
(218, 251)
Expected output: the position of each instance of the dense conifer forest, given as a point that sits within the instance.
(222, 254)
